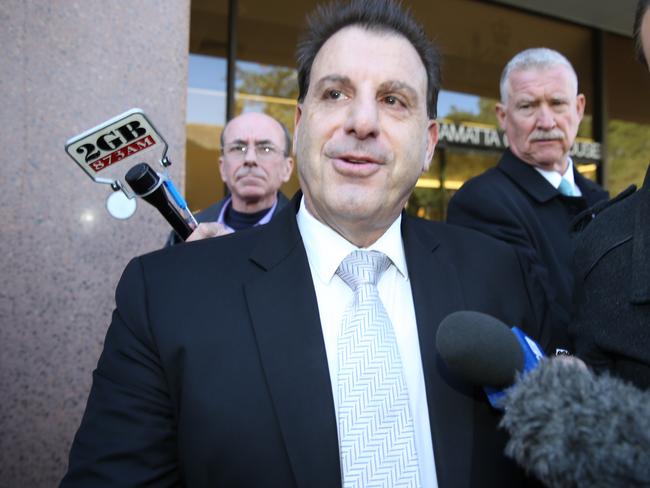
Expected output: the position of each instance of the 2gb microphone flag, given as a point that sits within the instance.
(107, 151)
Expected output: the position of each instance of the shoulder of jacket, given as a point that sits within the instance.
(582, 220)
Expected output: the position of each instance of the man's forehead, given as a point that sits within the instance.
(557, 76)
(255, 127)
(357, 49)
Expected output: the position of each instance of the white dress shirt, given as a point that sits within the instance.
(555, 178)
(326, 249)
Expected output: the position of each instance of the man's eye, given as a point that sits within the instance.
(391, 100)
(334, 94)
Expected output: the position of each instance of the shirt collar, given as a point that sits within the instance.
(555, 178)
(264, 220)
(326, 248)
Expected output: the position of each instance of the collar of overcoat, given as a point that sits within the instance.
(640, 282)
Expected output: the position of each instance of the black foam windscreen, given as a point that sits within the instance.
(479, 349)
(142, 179)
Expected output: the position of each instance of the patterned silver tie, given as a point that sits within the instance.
(375, 422)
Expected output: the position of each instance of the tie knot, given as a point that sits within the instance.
(565, 188)
(363, 268)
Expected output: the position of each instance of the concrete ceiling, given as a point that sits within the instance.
(614, 16)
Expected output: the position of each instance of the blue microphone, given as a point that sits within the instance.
(482, 350)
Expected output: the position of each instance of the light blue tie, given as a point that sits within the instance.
(565, 188)
(377, 439)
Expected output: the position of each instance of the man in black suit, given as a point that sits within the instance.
(255, 161)
(611, 326)
(221, 365)
(530, 198)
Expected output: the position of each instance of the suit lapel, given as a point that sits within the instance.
(534, 184)
(284, 313)
(591, 192)
(640, 282)
(526, 178)
(436, 293)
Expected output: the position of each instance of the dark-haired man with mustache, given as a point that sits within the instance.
(529, 199)
(255, 161)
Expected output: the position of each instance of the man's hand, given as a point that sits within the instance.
(208, 229)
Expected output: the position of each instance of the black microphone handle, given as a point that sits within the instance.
(145, 183)
(158, 199)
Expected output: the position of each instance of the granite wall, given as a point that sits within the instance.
(66, 66)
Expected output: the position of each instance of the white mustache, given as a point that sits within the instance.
(546, 135)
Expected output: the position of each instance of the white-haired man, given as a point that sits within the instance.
(530, 198)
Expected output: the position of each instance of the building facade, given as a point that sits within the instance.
(68, 66)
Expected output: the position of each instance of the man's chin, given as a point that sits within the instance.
(550, 160)
(253, 196)
(557, 164)
(252, 191)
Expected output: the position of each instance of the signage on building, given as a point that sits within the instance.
(483, 136)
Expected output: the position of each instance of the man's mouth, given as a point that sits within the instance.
(358, 159)
(356, 165)
(249, 174)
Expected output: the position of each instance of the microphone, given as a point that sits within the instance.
(146, 183)
(483, 351)
(569, 427)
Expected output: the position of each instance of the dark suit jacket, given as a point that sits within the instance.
(214, 371)
(515, 204)
(211, 214)
(611, 328)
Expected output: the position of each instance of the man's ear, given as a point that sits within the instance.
(432, 140)
(580, 105)
(221, 171)
(288, 168)
(500, 110)
(296, 123)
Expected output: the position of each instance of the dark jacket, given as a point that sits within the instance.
(214, 370)
(211, 214)
(611, 328)
(515, 204)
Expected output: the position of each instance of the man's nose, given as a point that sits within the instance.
(250, 156)
(545, 118)
(363, 117)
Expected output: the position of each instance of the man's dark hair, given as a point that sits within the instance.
(285, 131)
(641, 9)
(373, 15)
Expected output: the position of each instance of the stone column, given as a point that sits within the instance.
(67, 66)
